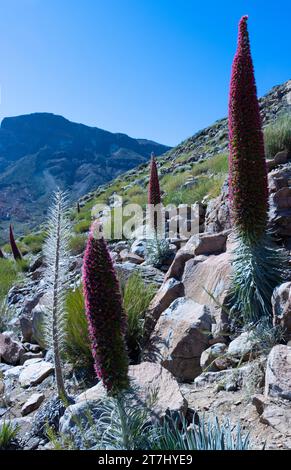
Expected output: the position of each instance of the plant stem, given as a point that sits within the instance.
(56, 350)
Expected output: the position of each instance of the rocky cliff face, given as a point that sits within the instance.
(41, 151)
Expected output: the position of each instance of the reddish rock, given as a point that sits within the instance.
(10, 351)
(179, 338)
(168, 292)
(208, 282)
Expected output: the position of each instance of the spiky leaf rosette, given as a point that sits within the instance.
(105, 315)
(14, 248)
(258, 269)
(247, 165)
(56, 254)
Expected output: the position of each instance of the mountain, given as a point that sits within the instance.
(41, 151)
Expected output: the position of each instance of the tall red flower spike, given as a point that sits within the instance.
(14, 248)
(105, 315)
(247, 166)
(154, 194)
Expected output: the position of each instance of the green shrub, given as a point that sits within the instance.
(8, 434)
(171, 183)
(34, 242)
(9, 272)
(204, 187)
(77, 341)
(77, 244)
(82, 226)
(136, 299)
(24, 249)
(277, 136)
(217, 164)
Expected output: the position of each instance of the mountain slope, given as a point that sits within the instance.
(195, 169)
(41, 151)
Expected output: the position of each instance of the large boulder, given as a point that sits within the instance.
(32, 404)
(278, 418)
(34, 372)
(281, 302)
(208, 282)
(278, 372)
(207, 243)
(180, 336)
(149, 380)
(11, 351)
(168, 292)
(177, 267)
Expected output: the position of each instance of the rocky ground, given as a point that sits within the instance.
(190, 357)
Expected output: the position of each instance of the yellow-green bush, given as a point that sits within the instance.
(9, 272)
(34, 242)
(82, 226)
(136, 299)
(77, 244)
(217, 164)
(77, 341)
(277, 136)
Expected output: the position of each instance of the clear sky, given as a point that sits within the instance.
(157, 69)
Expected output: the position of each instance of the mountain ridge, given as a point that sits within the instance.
(41, 151)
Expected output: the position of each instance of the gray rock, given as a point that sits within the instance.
(78, 421)
(281, 302)
(34, 372)
(278, 372)
(139, 248)
(208, 282)
(209, 356)
(278, 418)
(243, 346)
(207, 244)
(48, 415)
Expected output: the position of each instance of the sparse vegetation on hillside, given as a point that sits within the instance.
(77, 340)
(136, 299)
(277, 136)
(9, 273)
(33, 242)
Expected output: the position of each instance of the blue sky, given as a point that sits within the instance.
(157, 69)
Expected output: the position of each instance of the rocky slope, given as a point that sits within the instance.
(190, 356)
(41, 151)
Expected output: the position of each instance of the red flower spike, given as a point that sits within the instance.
(247, 166)
(105, 315)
